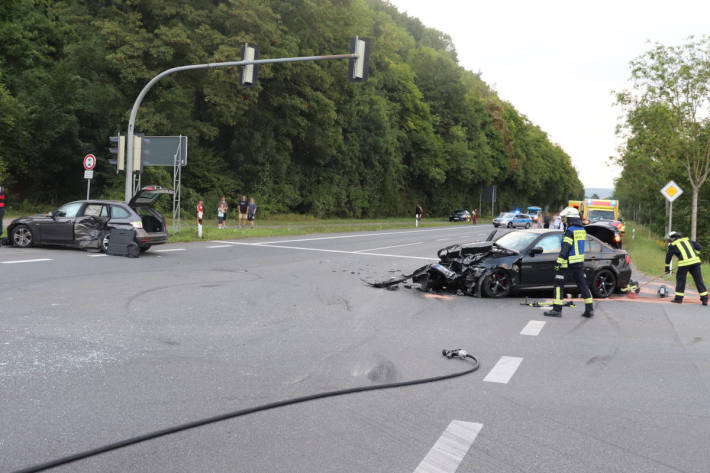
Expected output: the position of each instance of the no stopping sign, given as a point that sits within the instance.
(89, 162)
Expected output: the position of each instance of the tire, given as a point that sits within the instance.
(22, 237)
(497, 284)
(104, 242)
(145, 248)
(603, 284)
(510, 224)
(527, 225)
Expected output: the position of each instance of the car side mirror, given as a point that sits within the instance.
(538, 250)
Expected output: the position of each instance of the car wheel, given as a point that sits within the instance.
(104, 243)
(527, 225)
(604, 284)
(510, 224)
(497, 284)
(145, 248)
(22, 236)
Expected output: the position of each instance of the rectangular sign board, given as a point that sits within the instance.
(89, 174)
(164, 150)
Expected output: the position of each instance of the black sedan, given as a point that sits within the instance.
(87, 223)
(520, 261)
(460, 216)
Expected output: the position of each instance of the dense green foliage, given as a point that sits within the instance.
(421, 129)
(667, 134)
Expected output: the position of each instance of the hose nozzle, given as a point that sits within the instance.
(455, 353)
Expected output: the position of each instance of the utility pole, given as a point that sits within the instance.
(357, 73)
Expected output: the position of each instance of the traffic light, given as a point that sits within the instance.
(358, 67)
(120, 152)
(248, 76)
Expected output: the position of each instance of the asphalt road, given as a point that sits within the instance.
(95, 349)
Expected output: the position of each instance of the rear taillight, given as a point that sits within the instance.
(628, 259)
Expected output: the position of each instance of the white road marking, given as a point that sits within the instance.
(95, 256)
(219, 246)
(387, 247)
(329, 251)
(27, 261)
(504, 370)
(443, 239)
(453, 445)
(359, 235)
(533, 328)
(167, 250)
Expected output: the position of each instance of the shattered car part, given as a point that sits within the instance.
(89, 232)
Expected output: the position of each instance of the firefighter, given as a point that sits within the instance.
(571, 261)
(688, 261)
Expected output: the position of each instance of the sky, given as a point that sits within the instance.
(557, 62)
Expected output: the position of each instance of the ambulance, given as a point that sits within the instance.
(594, 210)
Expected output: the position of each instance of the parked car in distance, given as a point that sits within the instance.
(58, 227)
(460, 216)
(512, 220)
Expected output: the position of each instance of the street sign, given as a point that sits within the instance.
(89, 162)
(671, 191)
(88, 174)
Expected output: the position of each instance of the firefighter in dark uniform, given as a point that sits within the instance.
(688, 262)
(571, 261)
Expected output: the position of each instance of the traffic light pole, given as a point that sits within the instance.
(134, 111)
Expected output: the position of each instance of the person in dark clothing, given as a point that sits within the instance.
(571, 261)
(418, 215)
(688, 262)
(2, 208)
(546, 221)
(251, 212)
(243, 207)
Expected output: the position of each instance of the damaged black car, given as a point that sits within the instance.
(516, 262)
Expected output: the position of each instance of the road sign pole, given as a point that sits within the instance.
(88, 188)
(670, 216)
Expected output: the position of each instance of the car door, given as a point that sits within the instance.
(60, 227)
(539, 270)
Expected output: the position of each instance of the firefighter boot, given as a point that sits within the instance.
(704, 300)
(677, 300)
(556, 311)
(588, 310)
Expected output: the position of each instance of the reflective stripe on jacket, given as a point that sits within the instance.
(572, 250)
(684, 249)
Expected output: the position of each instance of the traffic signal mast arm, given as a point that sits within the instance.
(214, 65)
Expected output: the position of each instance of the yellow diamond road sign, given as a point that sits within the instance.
(671, 191)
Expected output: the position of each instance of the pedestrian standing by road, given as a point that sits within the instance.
(546, 220)
(688, 262)
(2, 208)
(243, 206)
(251, 212)
(557, 222)
(200, 214)
(222, 212)
(418, 213)
(474, 216)
(571, 261)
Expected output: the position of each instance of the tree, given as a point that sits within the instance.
(673, 83)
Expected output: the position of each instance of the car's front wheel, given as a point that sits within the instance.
(497, 284)
(527, 225)
(604, 284)
(22, 236)
(510, 224)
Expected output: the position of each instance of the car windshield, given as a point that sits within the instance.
(596, 215)
(517, 241)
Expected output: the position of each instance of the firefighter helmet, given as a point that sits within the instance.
(673, 236)
(569, 212)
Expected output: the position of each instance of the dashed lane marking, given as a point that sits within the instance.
(504, 370)
(96, 256)
(27, 261)
(453, 445)
(168, 250)
(219, 246)
(533, 328)
(262, 245)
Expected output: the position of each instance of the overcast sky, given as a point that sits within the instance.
(558, 61)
